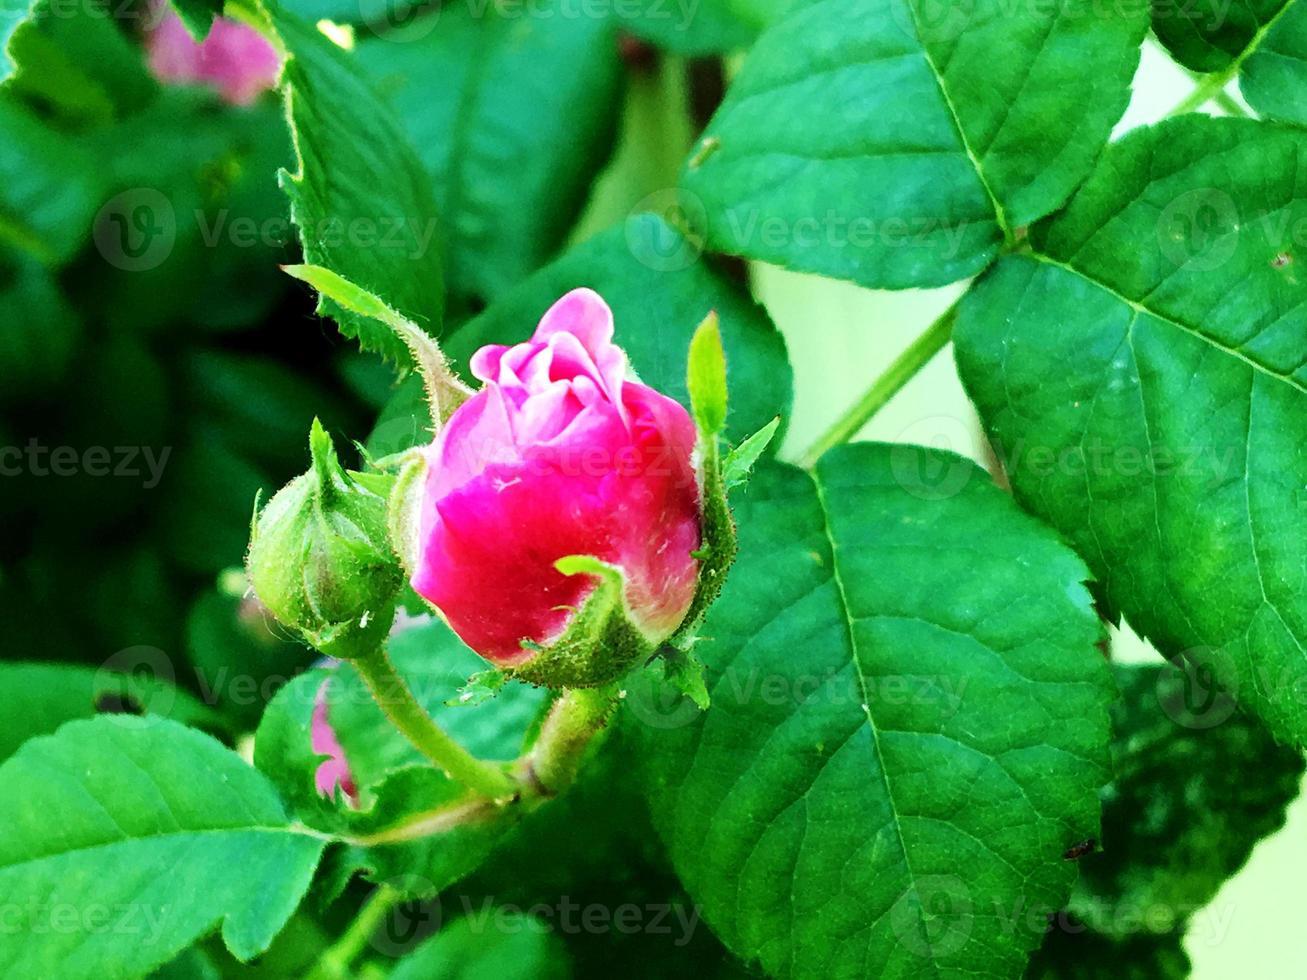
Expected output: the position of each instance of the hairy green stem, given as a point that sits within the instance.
(337, 960)
(904, 368)
(397, 702)
(575, 719)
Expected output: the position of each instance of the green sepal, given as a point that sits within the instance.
(705, 376)
(601, 642)
(739, 461)
(706, 380)
(685, 672)
(716, 552)
(320, 556)
(404, 513)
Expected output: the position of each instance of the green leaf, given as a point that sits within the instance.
(197, 15)
(41, 333)
(692, 27)
(495, 944)
(50, 186)
(1207, 35)
(951, 126)
(1273, 75)
(706, 377)
(360, 199)
(1262, 42)
(39, 697)
(656, 307)
(283, 751)
(161, 835)
(1181, 816)
(78, 62)
(1168, 446)
(48, 74)
(340, 290)
(484, 92)
(908, 725)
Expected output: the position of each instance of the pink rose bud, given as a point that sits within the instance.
(235, 59)
(560, 454)
(334, 773)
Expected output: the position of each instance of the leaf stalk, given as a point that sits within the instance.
(904, 368)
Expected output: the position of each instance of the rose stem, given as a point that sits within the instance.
(397, 702)
(575, 719)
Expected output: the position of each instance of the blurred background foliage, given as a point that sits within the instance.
(198, 367)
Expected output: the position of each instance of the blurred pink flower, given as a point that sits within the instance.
(235, 59)
(559, 454)
(334, 772)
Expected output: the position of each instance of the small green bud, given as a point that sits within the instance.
(320, 557)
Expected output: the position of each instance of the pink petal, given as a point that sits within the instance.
(334, 773)
(235, 59)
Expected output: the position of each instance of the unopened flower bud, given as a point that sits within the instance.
(320, 557)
